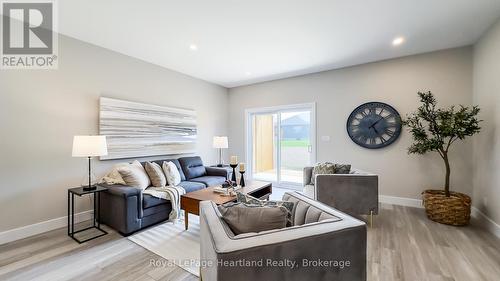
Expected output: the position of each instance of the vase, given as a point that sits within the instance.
(454, 210)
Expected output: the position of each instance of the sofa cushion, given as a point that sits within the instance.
(165, 208)
(326, 168)
(171, 173)
(113, 176)
(312, 215)
(210, 180)
(300, 213)
(176, 162)
(329, 168)
(243, 218)
(149, 201)
(248, 199)
(342, 168)
(134, 175)
(192, 167)
(306, 212)
(155, 174)
(190, 186)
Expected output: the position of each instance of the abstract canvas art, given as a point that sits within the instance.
(137, 130)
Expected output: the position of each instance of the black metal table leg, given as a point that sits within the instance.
(72, 214)
(98, 210)
(95, 211)
(68, 214)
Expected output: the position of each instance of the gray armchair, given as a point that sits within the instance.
(355, 193)
(319, 233)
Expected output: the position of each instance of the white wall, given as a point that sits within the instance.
(41, 111)
(487, 143)
(336, 93)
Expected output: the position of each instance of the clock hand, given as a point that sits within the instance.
(376, 131)
(376, 122)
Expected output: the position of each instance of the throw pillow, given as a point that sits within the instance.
(248, 199)
(135, 175)
(172, 173)
(114, 177)
(342, 169)
(243, 218)
(155, 174)
(326, 168)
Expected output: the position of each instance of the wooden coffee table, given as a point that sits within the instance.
(190, 202)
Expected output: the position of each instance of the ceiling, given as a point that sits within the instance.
(245, 42)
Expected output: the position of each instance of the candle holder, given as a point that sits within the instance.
(242, 179)
(233, 176)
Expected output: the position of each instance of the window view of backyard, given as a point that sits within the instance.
(290, 137)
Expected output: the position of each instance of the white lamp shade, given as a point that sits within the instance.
(89, 146)
(220, 142)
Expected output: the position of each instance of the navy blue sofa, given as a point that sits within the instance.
(127, 209)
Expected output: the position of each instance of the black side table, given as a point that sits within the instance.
(71, 212)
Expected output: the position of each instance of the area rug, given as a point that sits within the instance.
(173, 243)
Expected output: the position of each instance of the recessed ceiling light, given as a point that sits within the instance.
(248, 73)
(398, 41)
(193, 47)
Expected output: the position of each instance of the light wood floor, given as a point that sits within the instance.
(402, 245)
(405, 245)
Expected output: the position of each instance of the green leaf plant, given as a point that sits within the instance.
(437, 129)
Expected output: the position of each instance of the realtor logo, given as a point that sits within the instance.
(28, 40)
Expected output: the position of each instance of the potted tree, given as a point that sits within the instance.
(437, 130)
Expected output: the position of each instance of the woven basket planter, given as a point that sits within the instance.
(453, 210)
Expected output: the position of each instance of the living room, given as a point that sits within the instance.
(181, 133)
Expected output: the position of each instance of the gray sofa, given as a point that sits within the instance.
(355, 193)
(127, 209)
(319, 233)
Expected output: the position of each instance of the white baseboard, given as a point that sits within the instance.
(485, 221)
(41, 227)
(401, 201)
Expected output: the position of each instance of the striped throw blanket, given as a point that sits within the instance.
(171, 193)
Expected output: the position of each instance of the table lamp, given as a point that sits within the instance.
(89, 146)
(220, 142)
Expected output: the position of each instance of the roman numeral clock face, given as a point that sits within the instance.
(374, 125)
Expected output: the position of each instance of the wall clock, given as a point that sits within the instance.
(374, 125)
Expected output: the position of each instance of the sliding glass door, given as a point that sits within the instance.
(281, 143)
(295, 145)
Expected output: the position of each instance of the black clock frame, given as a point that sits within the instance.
(374, 145)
